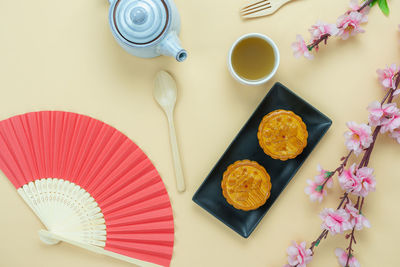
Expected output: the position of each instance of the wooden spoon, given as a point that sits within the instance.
(165, 94)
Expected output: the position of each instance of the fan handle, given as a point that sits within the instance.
(46, 235)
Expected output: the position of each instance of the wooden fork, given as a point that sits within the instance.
(258, 8)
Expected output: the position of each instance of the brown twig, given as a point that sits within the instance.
(324, 38)
(367, 3)
(351, 235)
(338, 170)
(314, 244)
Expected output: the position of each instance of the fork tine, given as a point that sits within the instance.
(257, 13)
(253, 4)
(256, 8)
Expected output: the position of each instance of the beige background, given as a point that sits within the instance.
(61, 55)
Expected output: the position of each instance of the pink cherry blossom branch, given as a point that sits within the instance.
(364, 162)
(347, 25)
(358, 180)
(324, 37)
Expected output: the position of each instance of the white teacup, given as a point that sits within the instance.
(268, 75)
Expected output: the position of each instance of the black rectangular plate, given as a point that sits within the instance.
(245, 146)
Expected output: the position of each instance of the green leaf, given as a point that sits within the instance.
(317, 243)
(319, 188)
(383, 5)
(373, 3)
(328, 174)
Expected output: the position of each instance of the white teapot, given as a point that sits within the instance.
(147, 28)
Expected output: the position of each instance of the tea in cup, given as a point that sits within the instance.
(253, 59)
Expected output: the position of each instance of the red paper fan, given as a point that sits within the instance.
(89, 185)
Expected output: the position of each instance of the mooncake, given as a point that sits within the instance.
(282, 134)
(246, 185)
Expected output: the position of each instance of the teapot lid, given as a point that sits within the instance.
(141, 22)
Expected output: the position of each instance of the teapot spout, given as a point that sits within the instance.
(171, 46)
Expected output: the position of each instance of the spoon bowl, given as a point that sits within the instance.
(165, 91)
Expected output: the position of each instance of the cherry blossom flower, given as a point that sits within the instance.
(386, 76)
(350, 24)
(359, 182)
(383, 115)
(349, 181)
(335, 221)
(315, 191)
(300, 48)
(391, 122)
(358, 138)
(320, 29)
(342, 258)
(396, 135)
(357, 220)
(387, 116)
(366, 180)
(323, 175)
(298, 255)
